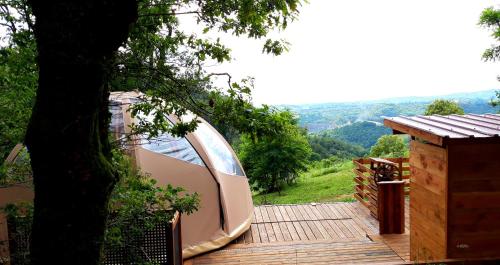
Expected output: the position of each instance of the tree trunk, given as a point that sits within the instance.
(68, 133)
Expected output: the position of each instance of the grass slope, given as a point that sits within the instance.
(317, 185)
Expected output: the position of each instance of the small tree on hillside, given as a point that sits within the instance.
(443, 107)
(496, 102)
(271, 161)
(389, 146)
(490, 19)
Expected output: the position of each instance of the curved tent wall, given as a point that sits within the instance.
(202, 162)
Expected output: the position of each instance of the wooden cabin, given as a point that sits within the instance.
(455, 185)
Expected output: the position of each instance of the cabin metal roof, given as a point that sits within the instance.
(440, 130)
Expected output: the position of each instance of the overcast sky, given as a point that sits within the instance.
(349, 50)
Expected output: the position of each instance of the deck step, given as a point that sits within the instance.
(318, 252)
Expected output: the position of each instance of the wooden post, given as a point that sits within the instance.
(174, 241)
(391, 203)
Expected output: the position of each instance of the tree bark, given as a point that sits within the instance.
(68, 133)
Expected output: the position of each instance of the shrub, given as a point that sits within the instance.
(389, 146)
(273, 160)
(443, 107)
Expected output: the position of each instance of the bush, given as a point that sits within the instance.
(17, 172)
(138, 205)
(389, 146)
(274, 160)
(443, 107)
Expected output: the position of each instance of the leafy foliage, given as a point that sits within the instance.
(490, 19)
(17, 172)
(18, 79)
(137, 205)
(162, 59)
(496, 102)
(270, 161)
(324, 146)
(167, 62)
(360, 133)
(443, 107)
(389, 146)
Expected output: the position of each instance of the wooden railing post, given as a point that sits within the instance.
(391, 207)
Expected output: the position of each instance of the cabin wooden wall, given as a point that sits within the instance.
(428, 201)
(474, 200)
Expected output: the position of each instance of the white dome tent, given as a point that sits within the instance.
(201, 162)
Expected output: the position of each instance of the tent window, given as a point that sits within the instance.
(117, 126)
(175, 147)
(220, 155)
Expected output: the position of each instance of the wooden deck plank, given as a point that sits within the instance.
(336, 228)
(296, 213)
(322, 229)
(277, 232)
(325, 212)
(284, 231)
(363, 217)
(262, 233)
(326, 252)
(284, 213)
(255, 233)
(265, 216)
(307, 230)
(257, 214)
(270, 232)
(312, 212)
(344, 229)
(300, 231)
(348, 223)
(317, 212)
(331, 232)
(279, 215)
(360, 226)
(270, 213)
(310, 217)
(325, 233)
(248, 236)
(334, 211)
(303, 212)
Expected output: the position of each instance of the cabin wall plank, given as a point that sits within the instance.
(428, 203)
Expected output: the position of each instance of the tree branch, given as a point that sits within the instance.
(171, 14)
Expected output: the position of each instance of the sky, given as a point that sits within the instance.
(351, 50)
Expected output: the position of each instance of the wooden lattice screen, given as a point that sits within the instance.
(364, 175)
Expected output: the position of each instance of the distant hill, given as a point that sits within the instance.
(363, 133)
(328, 116)
(324, 146)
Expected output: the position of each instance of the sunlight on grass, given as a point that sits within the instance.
(317, 185)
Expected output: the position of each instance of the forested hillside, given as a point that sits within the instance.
(361, 133)
(320, 117)
(325, 146)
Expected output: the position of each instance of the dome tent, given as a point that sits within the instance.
(201, 162)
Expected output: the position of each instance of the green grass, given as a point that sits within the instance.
(317, 185)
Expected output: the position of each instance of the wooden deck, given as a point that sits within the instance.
(323, 233)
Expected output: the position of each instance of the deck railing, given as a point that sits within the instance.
(364, 175)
